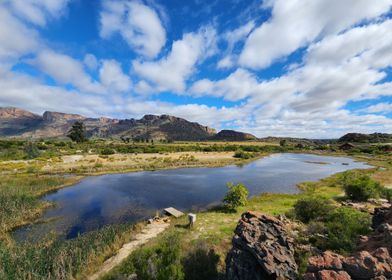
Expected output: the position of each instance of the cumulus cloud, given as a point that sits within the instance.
(16, 39)
(236, 86)
(66, 70)
(113, 78)
(172, 71)
(296, 23)
(90, 61)
(138, 24)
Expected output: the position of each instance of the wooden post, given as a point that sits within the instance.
(192, 219)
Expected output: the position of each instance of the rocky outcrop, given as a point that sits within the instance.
(262, 249)
(232, 135)
(360, 266)
(372, 261)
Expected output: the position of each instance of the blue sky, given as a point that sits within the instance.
(303, 68)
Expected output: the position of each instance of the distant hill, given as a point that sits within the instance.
(366, 138)
(15, 122)
(232, 135)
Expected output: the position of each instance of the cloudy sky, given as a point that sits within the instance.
(305, 68)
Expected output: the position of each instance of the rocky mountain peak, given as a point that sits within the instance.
(12, 112)
(56, 116)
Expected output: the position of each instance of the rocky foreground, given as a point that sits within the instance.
(263, 249)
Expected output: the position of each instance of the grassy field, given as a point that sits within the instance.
(25, 179)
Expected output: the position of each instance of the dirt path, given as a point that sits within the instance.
(150, 231)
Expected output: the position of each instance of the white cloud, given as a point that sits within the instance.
(138, 24)
(38, 11)
(236, 86)
(15, 38)
(171, 72)
(113, 78)
(232, 38)
(296, 23)
(66, 70)
(90, 61)
(379, 108)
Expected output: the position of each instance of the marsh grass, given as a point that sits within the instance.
(19, 198)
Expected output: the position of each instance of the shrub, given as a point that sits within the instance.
(361, 188)
(342, 229)
(201, 263)
(243, 155)
(312, 208)
(31, 150)
(236, 196)
(107, 151)
(159, 263)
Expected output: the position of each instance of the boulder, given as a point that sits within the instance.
(262, 249)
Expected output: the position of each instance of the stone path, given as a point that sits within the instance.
(150, 231)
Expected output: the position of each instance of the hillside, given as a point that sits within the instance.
(232, 135)
(366, 138)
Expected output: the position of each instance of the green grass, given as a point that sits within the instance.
(19, 198)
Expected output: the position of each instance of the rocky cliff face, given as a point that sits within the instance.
(262, 250)
(15, 122)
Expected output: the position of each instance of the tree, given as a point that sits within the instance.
(283, 142)
(78, 132)
(236, 196)
(31, 150)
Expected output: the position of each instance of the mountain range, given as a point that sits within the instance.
(15, 122)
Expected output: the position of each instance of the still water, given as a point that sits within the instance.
(112, 199)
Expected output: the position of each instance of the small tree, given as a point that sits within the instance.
(78, 132)
(31, 150)
(236, 196)
(283, 143)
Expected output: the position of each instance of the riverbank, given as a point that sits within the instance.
(215, 227)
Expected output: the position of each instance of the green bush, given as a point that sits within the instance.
(31, 150)
(243, 155)
(342, 229)
(361, 188)
(107, 151)
(236, 196)
(312, 208)
(159, 263)
(201, 263)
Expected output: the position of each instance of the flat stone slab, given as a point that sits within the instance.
(174, 212)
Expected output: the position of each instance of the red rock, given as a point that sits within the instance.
(333, 275)
(328, 260)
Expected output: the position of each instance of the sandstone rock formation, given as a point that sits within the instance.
(261, 249)
(372, 261)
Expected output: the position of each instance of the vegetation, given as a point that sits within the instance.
(236, 196)
(361, 188)
(312, 208)
(201, 249)
(31, 150)
(78, 132)
(342, 229)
